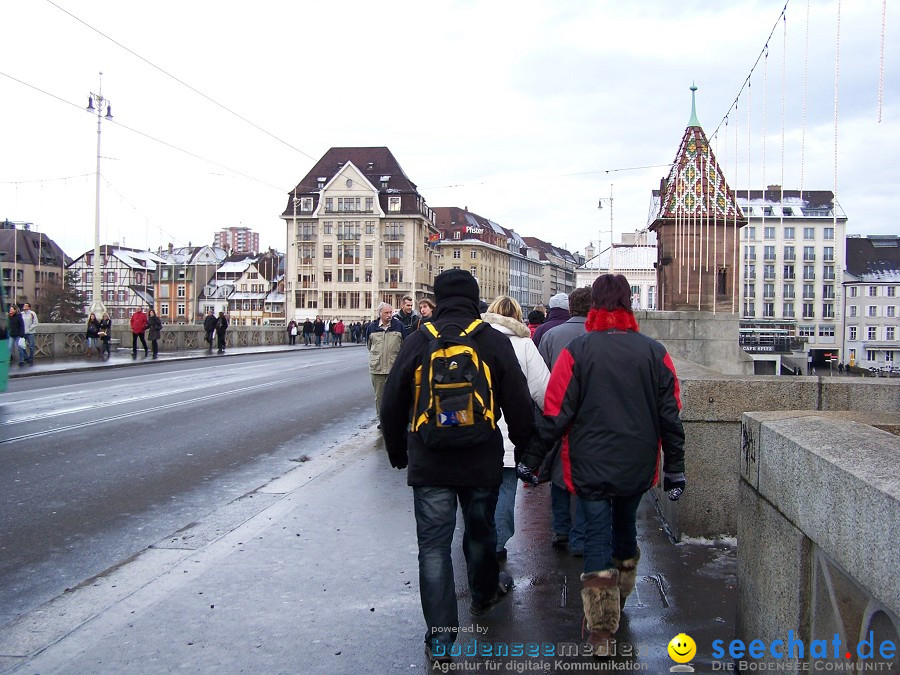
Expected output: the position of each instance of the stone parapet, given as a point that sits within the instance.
(819, 512)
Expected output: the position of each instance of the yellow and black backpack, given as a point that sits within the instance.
(454, 398)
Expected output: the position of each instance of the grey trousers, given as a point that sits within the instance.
(378, 383)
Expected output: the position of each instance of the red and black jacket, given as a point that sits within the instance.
(614, 399)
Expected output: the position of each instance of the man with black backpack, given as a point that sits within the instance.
(441, 403)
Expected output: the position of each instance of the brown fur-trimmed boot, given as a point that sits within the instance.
(627, 575)
(600, 596)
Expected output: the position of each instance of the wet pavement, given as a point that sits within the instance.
(318, 574)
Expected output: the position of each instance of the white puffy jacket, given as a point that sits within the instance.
(530, 362)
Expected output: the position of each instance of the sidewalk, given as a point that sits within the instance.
(316, 572)
(121, 358)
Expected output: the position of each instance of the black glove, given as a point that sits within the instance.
(399, 459)
(526, 475)
(674, 484)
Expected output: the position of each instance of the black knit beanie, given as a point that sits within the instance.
(455, 283)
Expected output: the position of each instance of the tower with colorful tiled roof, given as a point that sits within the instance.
(697, 227)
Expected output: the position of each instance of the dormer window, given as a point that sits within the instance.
(370, 166)
(384, 182)
(306, 204)
(321, 181)
(393, 204)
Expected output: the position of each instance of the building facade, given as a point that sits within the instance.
(558, 267)
(237, 240)
(473, 243)
(792, 260)
(31, 261)
(526, 272)
(634, 258)
(181, 278)
(871, 286)
(359, 233)
(128, 281)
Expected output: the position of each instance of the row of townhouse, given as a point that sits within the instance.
(31, 261)
(359, 233)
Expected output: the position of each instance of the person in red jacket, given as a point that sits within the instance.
(138, 326)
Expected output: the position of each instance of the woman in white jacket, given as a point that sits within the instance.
(505, 315)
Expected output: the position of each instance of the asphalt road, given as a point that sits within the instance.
(98, 465)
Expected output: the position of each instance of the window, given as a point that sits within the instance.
(809, 272)
(806, 331)
(872, 310)
(826, 330)
(348, 204)
(853, 292)
(749, 290)
(827, 310)
(769, 310)
(457, 234)
(870, 354)
(110, 278)
(457, 253)
(769, 252)
(181, 309)
(853, 356)
(326, 276)
(393, 230)
(828, 254)
(809, 253)
(306, 204)
(749, 309)
(768, 271)
(749, 271)
(789, 291)
(788, 310)
(809, 311)
(852, 311)
(788, 231)
(789, 272)
(164, 308)
(749, 253)
(370, 227)
(328, 300)
(789, 253)
(370, 206)
(890, 310)
(852, 335)
(326, 251)
(829, 233)
(890, 292)
(809, 233)
(769, 233)
(393, 204)
(873, 291)
(872, 332)
(768, 291)
(750, 233)
(393, 252)
(828, 272)
(180, 291)
(651, 297)
(828, 292)
(889, 333)
(327, 227)
(809, 291)
(369, 251)
(889, 357)
(329, 204)
(473, 270)
(473, 254)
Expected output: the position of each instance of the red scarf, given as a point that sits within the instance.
(603, 319)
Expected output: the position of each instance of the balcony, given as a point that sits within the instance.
(307, 236)
(306, 261)
(393, 261)
(349, 236)
(393, 236)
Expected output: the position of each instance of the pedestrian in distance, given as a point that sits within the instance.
(383, 339)
(138, 328)
(458, 471)
(16, 334)
(505, 315)
(154, 331)
(92, 336)
(406, 315)
(841, 368)
(318, 330)
(307, 333)
(535, 319)
(209, 328)
(105, 333)
(426, 309)
(292, 332)
(557, 314)
(221, 328)
(614, 397)
(31, 321)
(338, 329)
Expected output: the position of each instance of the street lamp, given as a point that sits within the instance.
(611, 251)
(96, 102)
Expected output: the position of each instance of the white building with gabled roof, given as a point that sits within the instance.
(128, 278)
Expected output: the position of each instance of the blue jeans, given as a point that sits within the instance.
(561, 503)
(505, 515)
(29, 340)
(610, 531)
(12, 347)
(435, 509)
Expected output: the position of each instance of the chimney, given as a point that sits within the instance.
(773, 188)
(170, 247)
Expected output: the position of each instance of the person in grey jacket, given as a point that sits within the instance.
(31, 321)
(383, 339)
(552, 344)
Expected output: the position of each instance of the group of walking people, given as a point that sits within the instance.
(20, 333)
(593, 407)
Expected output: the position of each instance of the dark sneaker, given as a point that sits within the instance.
(559, 540)
(504, 585)
(442, 657)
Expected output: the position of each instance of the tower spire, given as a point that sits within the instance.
(693, 122)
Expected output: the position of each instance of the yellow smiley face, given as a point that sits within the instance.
(682, 648)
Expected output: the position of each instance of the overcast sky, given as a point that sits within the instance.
(525, 112)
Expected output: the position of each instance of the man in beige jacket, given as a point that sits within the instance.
(383, 339)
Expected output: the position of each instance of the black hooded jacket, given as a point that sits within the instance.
(475, 466)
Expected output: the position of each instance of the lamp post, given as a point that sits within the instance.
(611, 251)
(96, 102)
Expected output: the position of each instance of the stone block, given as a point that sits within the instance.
(864, 394)
(726, 400)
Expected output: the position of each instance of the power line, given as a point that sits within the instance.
(555, 175)
(43, 180)
(181, 82)
(146, 135)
